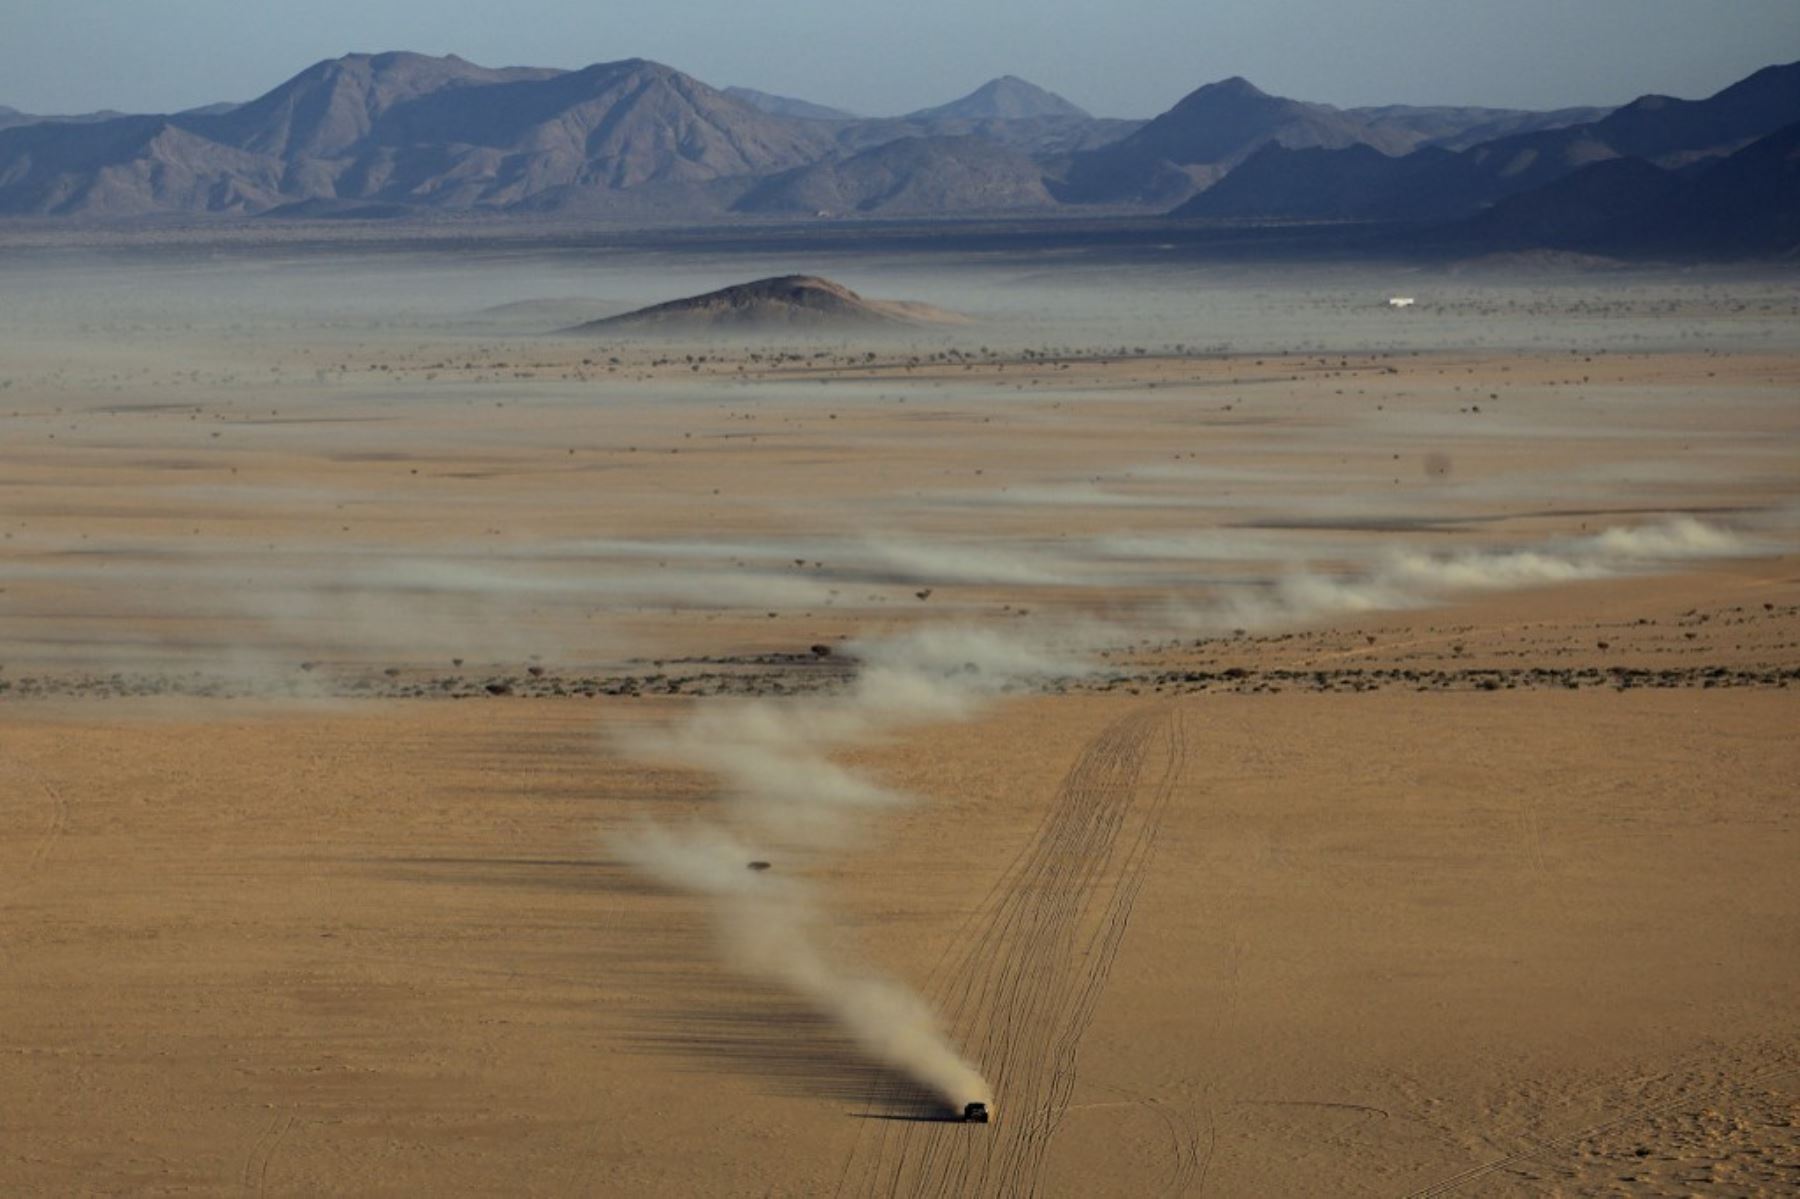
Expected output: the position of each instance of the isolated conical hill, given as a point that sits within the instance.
(804, 302)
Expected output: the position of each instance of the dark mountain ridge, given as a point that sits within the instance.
(1203, 137)
(1747, 203)
(1458, 127)
(1430, 183)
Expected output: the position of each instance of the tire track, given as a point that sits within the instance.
(55, 828)
(56, 822)
(253, 1178)
(1569, 1140)
(1033, 963)
(1013, 970)
(1187, 1155)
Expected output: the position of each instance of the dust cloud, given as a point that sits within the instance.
(1412, 579)
(785, 799)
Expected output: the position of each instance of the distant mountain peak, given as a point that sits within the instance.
(1236, 89)
(1007, 98)
(626, 65)
(1235, 85)
(1013, 85)
(1205, 135)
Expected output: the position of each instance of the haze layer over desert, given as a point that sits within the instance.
(1258, 740)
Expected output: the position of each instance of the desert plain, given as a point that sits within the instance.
(1373, 771)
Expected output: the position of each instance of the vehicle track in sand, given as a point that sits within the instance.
(1022, 985)
(253, 1174)
(18, 775)
(1550, 1148)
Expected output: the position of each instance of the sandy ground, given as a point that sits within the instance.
(1380, 941)
(1493, 896)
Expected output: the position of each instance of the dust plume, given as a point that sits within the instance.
(786, 800)
(1405, 578)
(770, 928)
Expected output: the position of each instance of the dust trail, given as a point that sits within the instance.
(785, 799)
(1411, 579)
(771, 928)
(934, 563)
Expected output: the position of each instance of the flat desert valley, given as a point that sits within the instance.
(1262, 741)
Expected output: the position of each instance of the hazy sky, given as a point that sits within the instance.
(1119, 58)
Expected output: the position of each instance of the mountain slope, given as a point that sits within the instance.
(1746, 203)
(915, 175)
(1043, 138)
(129, 167)
(615, 125)
(325, 110)
(1588, 208)
(1458, 128)
(404, 128)
(1658, 129)
(1207, 133)
(1325, 184)
(788, 106)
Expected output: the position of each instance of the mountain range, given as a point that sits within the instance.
(1747, 203)
(398, 134)
(1356, 182)
(11, 118)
